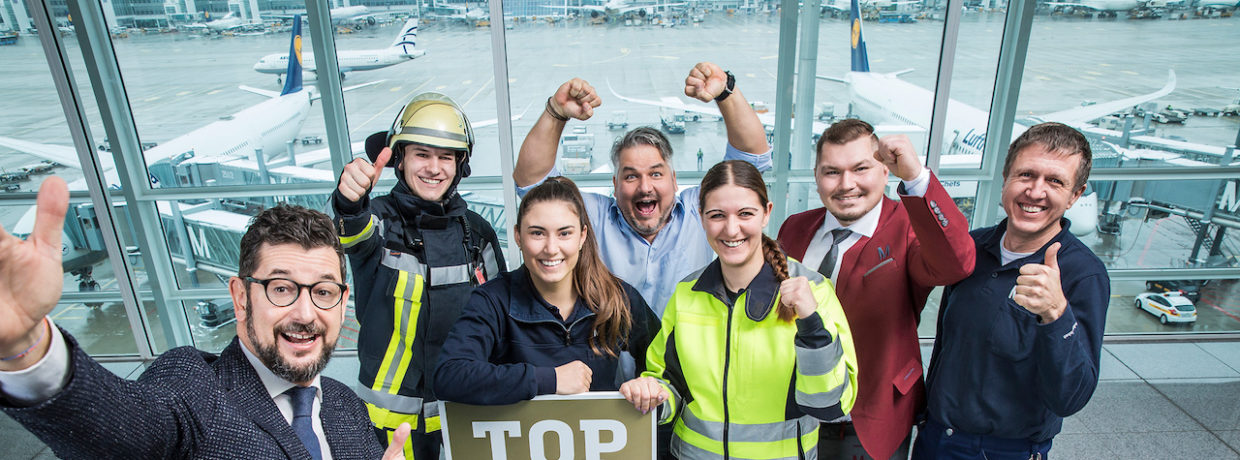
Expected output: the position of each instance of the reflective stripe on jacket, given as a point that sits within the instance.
(744, 383)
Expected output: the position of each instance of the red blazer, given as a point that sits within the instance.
(920, 243)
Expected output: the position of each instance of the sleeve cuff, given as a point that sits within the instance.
(811, 333)
(761, 161)
(555, 171)
(545, 378)
(918, 186)
(44, 379)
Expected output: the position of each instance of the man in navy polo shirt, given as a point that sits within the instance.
(1019, 340)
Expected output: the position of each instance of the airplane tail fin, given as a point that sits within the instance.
(860, 60)
(292, 79)
(407, 40)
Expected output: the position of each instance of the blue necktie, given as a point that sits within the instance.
(303, 407)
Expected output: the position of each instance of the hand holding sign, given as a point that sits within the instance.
(1038, 288)
(573, 378)
(645, 393)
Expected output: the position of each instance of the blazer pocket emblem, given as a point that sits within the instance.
(876, 267)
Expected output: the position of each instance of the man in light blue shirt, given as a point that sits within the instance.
(650, 235)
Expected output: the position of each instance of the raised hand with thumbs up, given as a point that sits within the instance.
(1038, 288)
(360, 176)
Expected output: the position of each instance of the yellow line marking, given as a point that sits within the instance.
(440, 87)
(182, 93)
(467, 82)
(400, 100)
(151, 99)
(1129, 72)
(394, 89)
(767, 58)
(213, 92)
(66, 310)
(476, 93)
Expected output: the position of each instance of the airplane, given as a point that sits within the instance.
(352, 16)
(886, 98)
(230, 21)
(464, 14)
(616, 8)
(402, 49)
(1218, 5)
(836, 7)
(267, 126)
(1104, 8)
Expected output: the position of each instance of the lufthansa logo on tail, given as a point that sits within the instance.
(297, 47)
(856, 31)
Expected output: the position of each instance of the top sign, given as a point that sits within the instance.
(590, 426)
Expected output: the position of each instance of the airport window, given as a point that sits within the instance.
(216, 154)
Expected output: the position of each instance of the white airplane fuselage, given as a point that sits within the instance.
(349, 60)
(878, 97)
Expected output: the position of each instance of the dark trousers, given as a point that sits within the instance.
(420, 446)
(935, 442)
(839, 441)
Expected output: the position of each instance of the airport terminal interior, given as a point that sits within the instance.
(174, 122)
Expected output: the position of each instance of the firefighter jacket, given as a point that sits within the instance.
(414, 264)
(744, 383)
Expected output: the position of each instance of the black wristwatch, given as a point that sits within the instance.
(728, 88)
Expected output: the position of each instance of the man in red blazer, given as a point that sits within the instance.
(884, 257)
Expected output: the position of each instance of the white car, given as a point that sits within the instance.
(1170, 307)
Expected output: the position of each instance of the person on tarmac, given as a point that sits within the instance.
(754, 349)
(557, 325)
(416, 253)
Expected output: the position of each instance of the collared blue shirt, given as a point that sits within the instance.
(677, 251)
(995, 370)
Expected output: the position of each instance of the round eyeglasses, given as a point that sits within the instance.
(282, 292)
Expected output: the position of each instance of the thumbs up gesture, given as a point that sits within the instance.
(359, 175)
(1038, 288)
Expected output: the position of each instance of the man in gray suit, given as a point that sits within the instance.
(262, 397)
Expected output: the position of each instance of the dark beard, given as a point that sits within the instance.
(270, 354)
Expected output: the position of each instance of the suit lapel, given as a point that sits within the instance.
(334, 414)
(250, 396)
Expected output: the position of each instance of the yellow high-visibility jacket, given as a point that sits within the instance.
(744, 383)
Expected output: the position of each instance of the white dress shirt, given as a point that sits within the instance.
(820, 245)
(46, 378)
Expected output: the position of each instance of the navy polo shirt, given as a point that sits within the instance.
(995, 371)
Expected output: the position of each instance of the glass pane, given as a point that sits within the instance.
(197, 127)
(101, 326)
(405, 55)
(1156, 224)
(973, 82)
(1174, 118)
(642, 53)
(1213, 306)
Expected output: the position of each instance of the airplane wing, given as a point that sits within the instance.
(260, 92)
(674, 104)
(62, 154)
(1078, 116)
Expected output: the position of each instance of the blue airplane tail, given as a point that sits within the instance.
(292, 79)
(860, 60)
